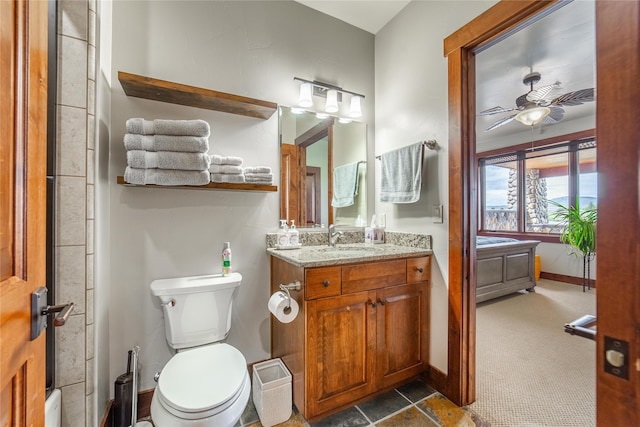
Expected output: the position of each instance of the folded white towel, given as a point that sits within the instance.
(401, 175)
(188, 144)
(257, 169)
(168, 127)
(140, 159)
(165, 177)
(226, 160)
(219, 177)
(262, 178)
(225, 169)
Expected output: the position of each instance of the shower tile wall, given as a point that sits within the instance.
(75, 208)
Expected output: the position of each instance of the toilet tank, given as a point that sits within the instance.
(197, 309)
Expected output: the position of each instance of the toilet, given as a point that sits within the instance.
(206, 383)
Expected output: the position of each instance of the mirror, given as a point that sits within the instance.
(313, 151)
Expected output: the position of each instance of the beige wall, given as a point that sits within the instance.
(411, 106)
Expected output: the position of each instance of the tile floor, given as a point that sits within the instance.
(412, 405)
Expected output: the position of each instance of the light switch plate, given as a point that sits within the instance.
(437, 214)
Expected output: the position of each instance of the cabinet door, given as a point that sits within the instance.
(340, 359)
(403, 333)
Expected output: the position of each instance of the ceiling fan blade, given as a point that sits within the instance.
(500, 123)
(541, 93)
(495, 110)
(556, 114)
(575, 98)
(522, 101)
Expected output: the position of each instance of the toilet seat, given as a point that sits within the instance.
(202, 382)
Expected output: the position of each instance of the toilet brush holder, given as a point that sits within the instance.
(123, 395)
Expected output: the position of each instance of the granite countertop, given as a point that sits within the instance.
(401, 245)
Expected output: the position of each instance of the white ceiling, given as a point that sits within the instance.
(560, 46)
(368, 15)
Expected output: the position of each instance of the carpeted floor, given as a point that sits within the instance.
(529, 371)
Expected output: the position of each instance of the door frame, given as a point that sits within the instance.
(459, 48)
(618, 305)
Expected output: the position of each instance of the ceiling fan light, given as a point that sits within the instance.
(533, 116)
(304, 99)
(332, 101)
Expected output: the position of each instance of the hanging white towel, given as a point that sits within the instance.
(401, 172)
(345, 185)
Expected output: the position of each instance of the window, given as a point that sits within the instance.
(519, 188)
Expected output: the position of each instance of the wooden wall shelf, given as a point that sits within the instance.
(210, 186)
(191, 96)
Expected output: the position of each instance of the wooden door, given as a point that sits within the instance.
(313, 190)
(403, 340)
(618, 234)
(341, 340)
(23, 111)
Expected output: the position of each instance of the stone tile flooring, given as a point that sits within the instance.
(412, 405)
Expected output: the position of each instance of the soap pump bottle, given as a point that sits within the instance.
(294, 235)
(282, 236)
(226, 259)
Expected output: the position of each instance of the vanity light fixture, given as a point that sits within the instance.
(355, 110)
(533, 116)
(332, 93)
(305, 99)
(331, 106)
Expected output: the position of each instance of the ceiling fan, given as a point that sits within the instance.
(539, 105)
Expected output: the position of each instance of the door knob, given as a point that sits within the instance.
(63, 311)
(373, 304)
(40, 310)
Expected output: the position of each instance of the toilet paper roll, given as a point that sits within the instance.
(278, 307)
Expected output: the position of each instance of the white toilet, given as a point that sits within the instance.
(206, 383)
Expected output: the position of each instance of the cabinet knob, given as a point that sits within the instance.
(382, 302)
(420, 270)
(373, 304)
(325, 283)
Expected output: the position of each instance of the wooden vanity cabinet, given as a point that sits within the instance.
(362, 328)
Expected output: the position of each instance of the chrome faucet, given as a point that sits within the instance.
(333, 235)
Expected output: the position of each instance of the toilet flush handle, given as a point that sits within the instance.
(171, 303)
(156, 377)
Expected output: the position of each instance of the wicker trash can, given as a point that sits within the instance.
(272, 392)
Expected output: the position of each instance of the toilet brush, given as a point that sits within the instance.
(134, 400)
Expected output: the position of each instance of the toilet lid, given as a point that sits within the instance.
(202, 378)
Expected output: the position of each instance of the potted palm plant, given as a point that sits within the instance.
(579, 232)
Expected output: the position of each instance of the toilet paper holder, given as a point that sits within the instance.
(293, 286)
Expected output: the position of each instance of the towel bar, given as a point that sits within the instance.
(431, 144)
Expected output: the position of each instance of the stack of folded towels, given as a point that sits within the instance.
(167, 152)
(258, 175)
(226, 169)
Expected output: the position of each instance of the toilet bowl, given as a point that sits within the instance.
(206, 383)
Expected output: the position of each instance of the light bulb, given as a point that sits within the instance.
(332, 101)
(533, 116)
(355, 110)
(304, 99)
